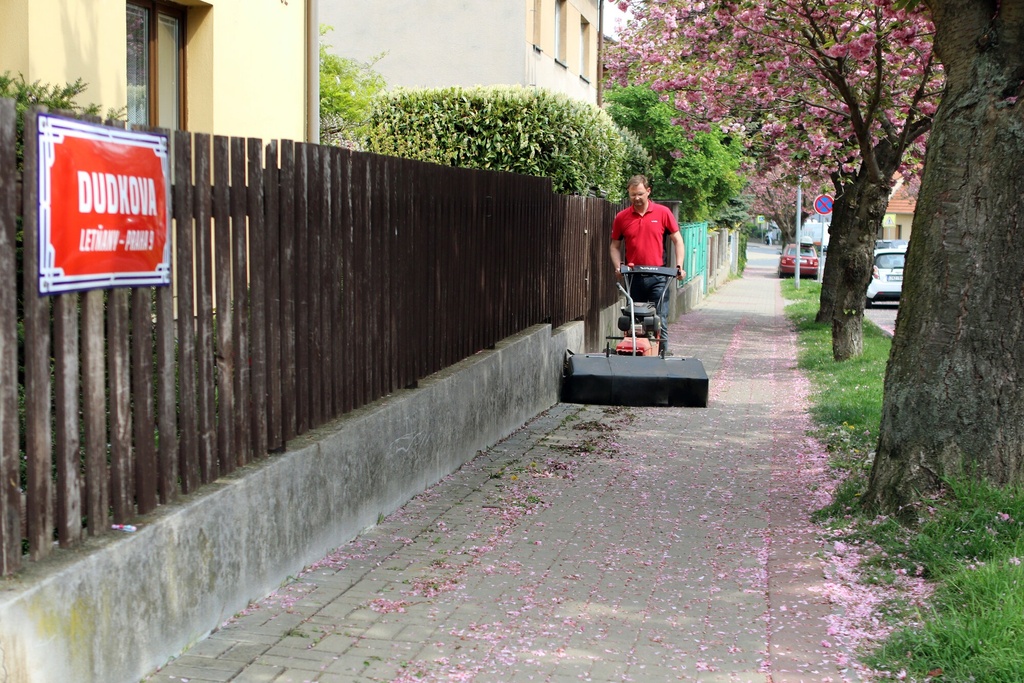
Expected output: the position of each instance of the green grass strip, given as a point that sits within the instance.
(969, 540)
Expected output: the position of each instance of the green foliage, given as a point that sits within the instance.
(703, 172)
(503, 128)
(56, 98)
(973, 631)
(742, 264)
(637, 160)
(969, 540)
(347, 89)
(847, 396)
(735, 212)
(971, 523)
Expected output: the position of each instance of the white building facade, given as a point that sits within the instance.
(550, 44)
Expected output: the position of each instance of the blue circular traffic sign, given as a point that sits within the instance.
(823, 204)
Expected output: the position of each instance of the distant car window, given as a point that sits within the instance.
(890, 261)
(806, 250)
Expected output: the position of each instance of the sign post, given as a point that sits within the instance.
(799, 209)
(104, 207)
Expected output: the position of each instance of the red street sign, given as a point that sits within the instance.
(823, 204)
(104, 198)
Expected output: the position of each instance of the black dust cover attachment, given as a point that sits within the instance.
(602, 379)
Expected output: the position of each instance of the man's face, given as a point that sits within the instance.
(638, 195)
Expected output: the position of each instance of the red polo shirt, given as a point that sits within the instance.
(645, 234)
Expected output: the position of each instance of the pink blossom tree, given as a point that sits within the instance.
(774, 196)
(840, 88)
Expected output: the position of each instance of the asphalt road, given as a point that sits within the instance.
(764, 256)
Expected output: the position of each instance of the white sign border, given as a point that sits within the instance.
(51, 131)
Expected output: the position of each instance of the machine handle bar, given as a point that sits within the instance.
(649, 270)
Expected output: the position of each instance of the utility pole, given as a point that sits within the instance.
(799, 203)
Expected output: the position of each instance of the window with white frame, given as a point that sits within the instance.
(584, 48)
(561, 34)
(538, 7)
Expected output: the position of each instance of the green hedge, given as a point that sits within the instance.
(503, 128)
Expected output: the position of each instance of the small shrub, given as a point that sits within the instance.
(54, 97)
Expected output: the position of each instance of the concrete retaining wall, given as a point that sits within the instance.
(123, 605)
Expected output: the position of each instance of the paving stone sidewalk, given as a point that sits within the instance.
(595, 544)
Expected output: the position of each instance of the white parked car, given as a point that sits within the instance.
(886, 276)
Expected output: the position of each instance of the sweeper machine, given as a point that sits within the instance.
(637, 371)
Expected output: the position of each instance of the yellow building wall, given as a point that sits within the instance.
(563, 74)
(245, 61)
(540, 30)
(13, 38)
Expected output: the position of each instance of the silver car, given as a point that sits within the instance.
(886, 276)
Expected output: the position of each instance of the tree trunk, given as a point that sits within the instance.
(829, 279)
(861, 208)
(954, 386)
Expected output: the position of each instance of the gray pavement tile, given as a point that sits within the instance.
(258, 673)
(596, 543)
(243, 652)
(199, 669)
(190, 674)
(211, 647)
(289, 663)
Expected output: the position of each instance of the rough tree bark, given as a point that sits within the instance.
(954, 386)
(839, 225)
(856, 218)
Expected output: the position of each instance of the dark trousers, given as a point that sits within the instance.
(650, 288)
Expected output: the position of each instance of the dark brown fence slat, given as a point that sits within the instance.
(301, 288)
(433, 217)
(404, 226)
(326, 288)
(203, 209)
(10, 493)
(358, 267)
(337, 277)
(271, 180)
(94, 409)
(258, 277)
(166, 393)
(68, 441)
(185, 246)
(38, 439)
(332, 289)
(241, 435)
(311, 272)
(226, 448)
(288, 187)
(385, 355)
(370, 289)
(143, 417)
(346, 374)
(386, 341)
(118, 370)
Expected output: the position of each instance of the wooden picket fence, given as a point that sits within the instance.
(308, 281)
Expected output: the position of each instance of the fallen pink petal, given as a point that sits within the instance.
(609, 544)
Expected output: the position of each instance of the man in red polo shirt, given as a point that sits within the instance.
(643, 227)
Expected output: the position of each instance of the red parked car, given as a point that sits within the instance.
(808, 261)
